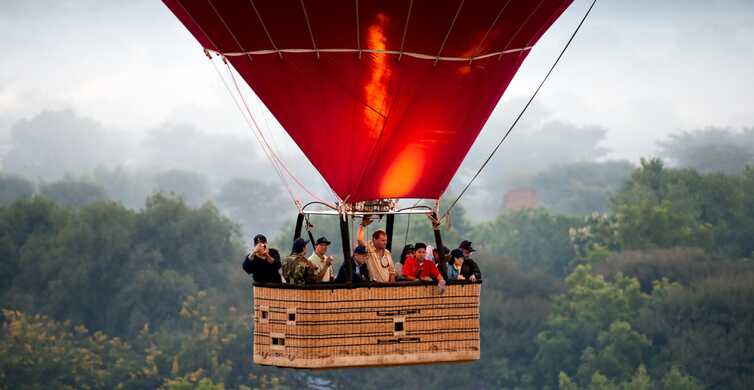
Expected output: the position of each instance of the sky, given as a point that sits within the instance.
(639, 70)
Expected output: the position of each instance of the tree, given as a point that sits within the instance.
(617, 353)
(258, 206)
(578, 188)
(13, 187)
(579, 317)
(676, 380)
(711, 149)
(706, 328)
(127, 187)
(111, 268)
(663, 208)
(535, 238)
(55, 143)
(71, 192)
(193, 187)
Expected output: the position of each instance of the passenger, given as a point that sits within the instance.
(470, 269)
(359, 269)
(418, 267)
(436, 256)
(323, 262)
(455, 265)
(262, 263)
(408, 251)
(298, 269)
(379, 260)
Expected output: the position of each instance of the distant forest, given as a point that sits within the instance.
(626, 277)
(656, 293)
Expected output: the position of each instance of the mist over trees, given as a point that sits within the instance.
(55, 143)
(578, 188)
(105, 296)
(628, 277)
(537, 146)
(711, 149)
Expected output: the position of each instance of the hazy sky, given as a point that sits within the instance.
(639, 69)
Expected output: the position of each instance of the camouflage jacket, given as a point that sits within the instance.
(299, 270)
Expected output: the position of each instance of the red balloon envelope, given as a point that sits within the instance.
(385, 98)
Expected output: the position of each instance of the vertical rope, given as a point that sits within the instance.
(405, 28)
(520, 114)
(309, 26)
(264, 140)
(358, 30)
(519, 29)
(266, 31)
(272, 161)
(486, 34)
(453, 23)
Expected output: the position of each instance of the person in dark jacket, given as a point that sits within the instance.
(262, 262)
(470, 270)
(360, 272)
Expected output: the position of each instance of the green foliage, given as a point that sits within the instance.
(36, 352)
(617, 351)
(676, 380)
(706, 327)
(13, 187)
(663, 208)
(594, 241)
(565, 382)
(687, 266)
(578, 317)
(535, 238)
(140, 264)
(71, 192)
(185, 383)
(161, 290)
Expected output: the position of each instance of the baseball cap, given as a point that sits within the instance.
(322, 240)
(299, 244)
(466, 244)
(260, 238)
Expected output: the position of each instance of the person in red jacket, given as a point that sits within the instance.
(418, 268)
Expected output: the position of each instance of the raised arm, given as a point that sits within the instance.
(362, 226)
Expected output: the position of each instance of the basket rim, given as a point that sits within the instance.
(344, 286)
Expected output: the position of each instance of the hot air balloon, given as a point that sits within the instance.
(384, 98)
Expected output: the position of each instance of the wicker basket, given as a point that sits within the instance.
(329, 326)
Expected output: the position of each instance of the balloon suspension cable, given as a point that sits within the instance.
(286, 185)
(408, 222)
(520, 114)
(275, 157)
(276, 161)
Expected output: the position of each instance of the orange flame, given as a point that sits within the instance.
(376, 89)
(404, 173)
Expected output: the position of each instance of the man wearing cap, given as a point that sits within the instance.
(298, 269)
(323, 262)
(469, 269)
(262, 263)
(359, 270)
(379, 260)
